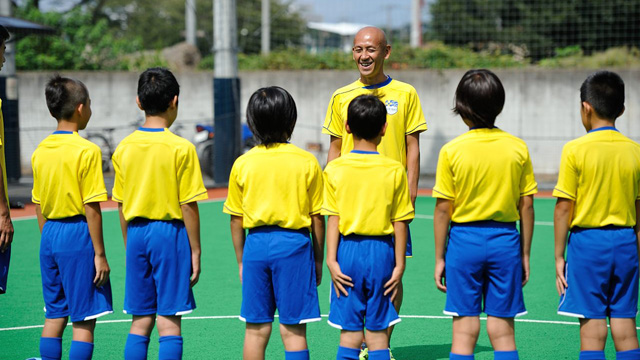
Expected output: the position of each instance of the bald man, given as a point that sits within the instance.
(405, 120)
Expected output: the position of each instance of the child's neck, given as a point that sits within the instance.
(156, 122)
(67, 125)
(365, 145)
(597, 122)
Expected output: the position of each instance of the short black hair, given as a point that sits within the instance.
(604, 90)
(63, 95)
(366, 116)
(4, 34)
(156, 88)
(271, 115)
(479, 98)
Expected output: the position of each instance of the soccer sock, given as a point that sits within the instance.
(453, 356)
(170, 348)
(297, 355)
(592, 355)
(505, 355)
(80, 350)
(383, 354)
(136, 347)
(345, 353)
(628, 355)
(50, 348)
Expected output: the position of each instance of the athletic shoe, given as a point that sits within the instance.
(391, 354)
(364, 354)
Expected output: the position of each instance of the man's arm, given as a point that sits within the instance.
(41, 219)
(413, 164)
(317, 238)
(94, 220)
(335, 147)
(238, 238)
(441, 220)
(6, 226)
(339, 279)
(527, 218)
(561, 220)
(191, 216)
(123, 224)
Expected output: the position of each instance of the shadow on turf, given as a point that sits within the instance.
(429, 352)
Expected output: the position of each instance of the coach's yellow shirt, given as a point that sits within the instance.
(2, 161)
(368, 191)
(484, 172)
(404, 115)
(67, 174)
(277, 185)
(600, 171)
(156, 172)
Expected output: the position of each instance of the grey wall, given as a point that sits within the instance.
(542, 107)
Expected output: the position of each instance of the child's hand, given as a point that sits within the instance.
(525, 270)
(439, 276)
(561, 282)
(391, 286)
(102, 270)
(195, 269)
(318, 272)
(339, 279)
(240, 272)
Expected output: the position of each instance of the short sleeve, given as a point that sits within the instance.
(35, 192)
(444, 187)
(402, 208)
(91, 179)
(528, 184)
(117, 193)
(233, 204)
(415, 121)
(329, 204)
(190, 185)
(333, 121)
(567, 185)
(315, 189)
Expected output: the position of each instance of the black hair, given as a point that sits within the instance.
(479, 98)
(604, 90)
(63, 95)
(4, 34)
(366, 117)
(271, 115)
(156, 89)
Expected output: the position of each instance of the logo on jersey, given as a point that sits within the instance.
(392, 106)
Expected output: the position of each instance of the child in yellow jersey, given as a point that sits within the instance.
(367, 199)
(275, 191)
(484, 184)
(157, 185)
(598, 195)
(67, 189)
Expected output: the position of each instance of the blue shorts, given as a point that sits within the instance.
(5, 258)
(483, 270)
(601, 274)
(369, 261)
(68, 268)
(158, 269)
(278, 271)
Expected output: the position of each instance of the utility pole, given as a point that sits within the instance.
(226, 90)
(190, 21)
(9, 96)
(416, 23)
(266, 27)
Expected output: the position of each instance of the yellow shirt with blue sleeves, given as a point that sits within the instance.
(67, 174)
(600, 171)
(484, 172)
(2, 161)
(279, 185)
(156, 172)
(368, 191)
(404, 115)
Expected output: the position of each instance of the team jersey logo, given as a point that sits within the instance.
(392, 106)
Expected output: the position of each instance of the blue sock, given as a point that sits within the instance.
(506, 355)
(345, 353)
(453, 356)
(80, 350)
(297, 355)
(50, 348)
(136, 347)
(592, 355)
(170, 348)
(383, 354)
(628, 355)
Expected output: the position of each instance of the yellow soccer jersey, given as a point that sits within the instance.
(67, 174)
(277, 185)
(484, 172)
(2, 162)
(368, 191)
(600, 171)
(404, 115)
(156, 172)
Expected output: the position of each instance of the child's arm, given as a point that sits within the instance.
(94, 220)
(637, 227)
(527, 218)
(441, 220)
(317, 237)
(191, 216)
(339, 279)
(400, 241)
(238, 237)
(335, 147)
(413, 164)
(123, 224)
(40, 217)
(6, 226)
(561, 220)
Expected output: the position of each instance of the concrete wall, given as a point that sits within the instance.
(542, 107)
